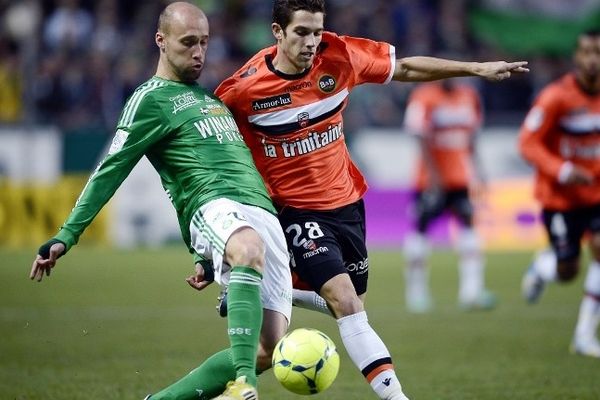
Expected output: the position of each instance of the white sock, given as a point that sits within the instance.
(589, 311)
(416, 273)
(471, 267)
(309, 300)
(592, 279)
(587, 321)
(545, 265)
(370, 355)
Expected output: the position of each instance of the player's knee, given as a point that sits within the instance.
(343, 306)
(567, 270)
(252, 255)
(246, 249)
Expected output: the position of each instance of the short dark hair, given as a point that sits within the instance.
(283, 9)
(595, 32)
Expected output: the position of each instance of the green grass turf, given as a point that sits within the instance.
(120, 324)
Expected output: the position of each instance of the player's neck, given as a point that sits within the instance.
(282, 64)
(164, 74)
(588, 84)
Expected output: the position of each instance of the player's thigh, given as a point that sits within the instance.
(461, 206)
(210, 230)
(276, 287)
(565, 230)
(352, 239)
(594, 228)
(429, 205)
(313, 244)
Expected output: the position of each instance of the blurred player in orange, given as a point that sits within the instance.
(561, 139)
(445, 116)
(288, 101)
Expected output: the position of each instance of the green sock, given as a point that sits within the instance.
(203, 383)
(244, 320)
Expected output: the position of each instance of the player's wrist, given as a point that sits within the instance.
(44, 250)
(565, 171)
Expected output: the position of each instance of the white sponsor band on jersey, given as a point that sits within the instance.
(290, 115)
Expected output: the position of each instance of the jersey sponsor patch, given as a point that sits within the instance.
(327, 83)
(184, 101)
(272, 102)
(118, 141)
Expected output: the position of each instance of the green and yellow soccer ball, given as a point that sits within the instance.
(305, 361)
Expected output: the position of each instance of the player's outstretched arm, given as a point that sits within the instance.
(46, 259)
(420, 68)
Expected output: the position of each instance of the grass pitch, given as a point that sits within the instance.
(114, 324)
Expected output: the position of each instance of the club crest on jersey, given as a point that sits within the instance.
(327, 83)
(248, 72)
(272, 102)
(309, 245)
(303, 119)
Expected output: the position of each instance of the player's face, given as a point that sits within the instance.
(587, 58)
(298, 44)
(185, 47)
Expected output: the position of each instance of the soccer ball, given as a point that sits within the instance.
(305, 361)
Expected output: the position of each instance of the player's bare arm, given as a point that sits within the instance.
(420, 68)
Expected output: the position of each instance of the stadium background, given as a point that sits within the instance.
(67, 67)
(116, 319)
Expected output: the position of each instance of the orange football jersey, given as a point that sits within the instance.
(293, 123)
(563, 125)
(448, 120)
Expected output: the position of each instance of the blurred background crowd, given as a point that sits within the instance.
(73, 63)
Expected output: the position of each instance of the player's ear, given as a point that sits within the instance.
(159, 39)
(277, 31)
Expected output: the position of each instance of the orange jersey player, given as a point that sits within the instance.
(288, 101)
(293, 123)
(445, 116)
(561, 139)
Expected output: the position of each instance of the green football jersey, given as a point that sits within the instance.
(192, 141)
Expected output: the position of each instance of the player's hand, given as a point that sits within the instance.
(478, 191)
(499, 70)
(46, 259)
(579, 176)
(198, 281)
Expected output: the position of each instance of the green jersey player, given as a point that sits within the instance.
(226, 216)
